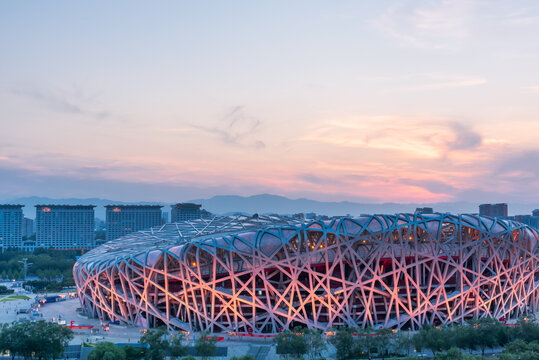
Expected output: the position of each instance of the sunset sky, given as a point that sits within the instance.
(371, 101)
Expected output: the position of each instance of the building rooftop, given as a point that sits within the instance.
(64, 206)
(134, 206)
(186, 204)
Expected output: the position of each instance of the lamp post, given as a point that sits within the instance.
(26, 265)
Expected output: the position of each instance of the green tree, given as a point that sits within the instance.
(291, 344)
(488, 333)
(10, 339)
(371, 342)
(68, 281)
(520, 350)
(134, 353)
(463, 337)
(344, 343)
(205, 346)
(5, 291)
(383, 342)
(107, 351)
(50, 339)
(404, 343)
(45, 263)
(452, 354)
(157, 345)
(40, 339)
(315, 343)
(434, 339)
(176, 346)
(527, 331)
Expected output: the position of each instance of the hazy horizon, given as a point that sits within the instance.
(267, 204)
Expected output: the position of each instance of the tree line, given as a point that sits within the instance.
(449, 342)
(46, 263)
(44, 340)
(158, 345)
(54, 268)
(40, 340)
(444, 343)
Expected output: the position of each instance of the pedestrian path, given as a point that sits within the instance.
(259, 352)
(263, 352)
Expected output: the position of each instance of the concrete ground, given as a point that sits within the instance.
(67, 310)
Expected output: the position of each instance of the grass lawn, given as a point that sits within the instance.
(15, 298)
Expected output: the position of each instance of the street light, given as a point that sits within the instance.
(26, 265)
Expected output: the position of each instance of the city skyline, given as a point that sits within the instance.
(396, 101)
(274, 204)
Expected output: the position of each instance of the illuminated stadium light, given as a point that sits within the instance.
(262, 274)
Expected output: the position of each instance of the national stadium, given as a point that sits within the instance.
(263, 274)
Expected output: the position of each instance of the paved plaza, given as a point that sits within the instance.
(68, 311)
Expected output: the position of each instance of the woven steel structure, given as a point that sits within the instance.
(263, 274)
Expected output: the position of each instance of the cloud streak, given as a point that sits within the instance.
(438, 25)
(61, 104)
(235, 128)
(426, 81)
(449, 83)
(419, 138)
(464, 138)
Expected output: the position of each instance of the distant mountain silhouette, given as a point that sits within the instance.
(267, 204)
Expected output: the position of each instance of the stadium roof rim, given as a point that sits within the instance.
(206, 232)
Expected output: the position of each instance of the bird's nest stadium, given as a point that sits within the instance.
(262, 274)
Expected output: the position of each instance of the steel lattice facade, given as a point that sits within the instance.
(264, 274)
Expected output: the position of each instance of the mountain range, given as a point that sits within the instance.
(267, 203)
